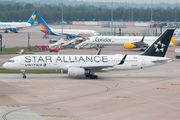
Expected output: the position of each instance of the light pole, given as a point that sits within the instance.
(132, 12)
(176, 12)
(151, 14)
(111, 17)
(62, 22)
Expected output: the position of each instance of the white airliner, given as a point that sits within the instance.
(72, 33)
(15, 26)
(130, 42)
(79, 65)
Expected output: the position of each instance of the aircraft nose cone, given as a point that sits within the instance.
(97, 34)
(5, 65)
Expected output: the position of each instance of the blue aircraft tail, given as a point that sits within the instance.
(32, 18)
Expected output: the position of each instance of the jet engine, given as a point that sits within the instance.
(129, 46)
(73, 72)
(14, 30)
(72, 35)
(175, 41)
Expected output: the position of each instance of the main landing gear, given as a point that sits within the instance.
(92, 76)
(5, 31)
(24, 76)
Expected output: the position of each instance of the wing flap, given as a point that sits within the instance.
(97, 66)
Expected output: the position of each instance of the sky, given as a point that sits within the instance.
(135, 1)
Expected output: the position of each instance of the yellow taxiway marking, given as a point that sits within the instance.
(176, 89)
(75, 118)
(138, 98)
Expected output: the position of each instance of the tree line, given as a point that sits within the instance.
(51, 13)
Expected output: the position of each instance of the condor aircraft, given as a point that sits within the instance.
(79, 65)
(131, 42)
(72, 33)
(15, 26)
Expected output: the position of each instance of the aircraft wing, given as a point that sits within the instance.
(89, 67)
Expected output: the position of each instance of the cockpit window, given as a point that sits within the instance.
(10, 61)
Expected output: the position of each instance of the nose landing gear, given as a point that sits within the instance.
(24, 76)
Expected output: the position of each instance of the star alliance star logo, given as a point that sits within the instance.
(159, 47)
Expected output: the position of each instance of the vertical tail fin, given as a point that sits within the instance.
(160, 46)
(44, 27)
(32, 18)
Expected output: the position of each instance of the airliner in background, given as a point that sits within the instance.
(131, 42)
(80, 65)
(15, 26)
(71, 33)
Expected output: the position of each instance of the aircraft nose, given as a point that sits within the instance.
(5, 65)
(97, 34)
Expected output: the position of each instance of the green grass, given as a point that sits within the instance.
(3, 70)
(16, 50)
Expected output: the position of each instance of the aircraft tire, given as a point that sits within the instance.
(24, 76)
(95, 77)
(87, 76)
(91, 77)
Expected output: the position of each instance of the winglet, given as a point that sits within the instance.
(122, 61)
(32, 18)
(142, 40)
(99, 52)
(44, 27)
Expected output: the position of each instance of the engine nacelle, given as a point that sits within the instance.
(72, 35)
(175, 41)
(73, 72)
(13, 30)
(129, 46)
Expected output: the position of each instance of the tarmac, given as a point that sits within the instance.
(144, 94)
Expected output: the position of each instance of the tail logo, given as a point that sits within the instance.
(33, 17)
(159, 47)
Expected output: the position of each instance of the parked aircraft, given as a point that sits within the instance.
(130, 42)
(79, 65)
(15, 26)
(71, 33)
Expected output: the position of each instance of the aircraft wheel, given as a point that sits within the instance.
(87, 76)
(95, 77)
(91, 77)
(24, 76)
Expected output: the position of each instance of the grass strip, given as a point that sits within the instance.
(3, 70)
(16, 50)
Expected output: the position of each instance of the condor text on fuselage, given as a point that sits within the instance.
(97, 39)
